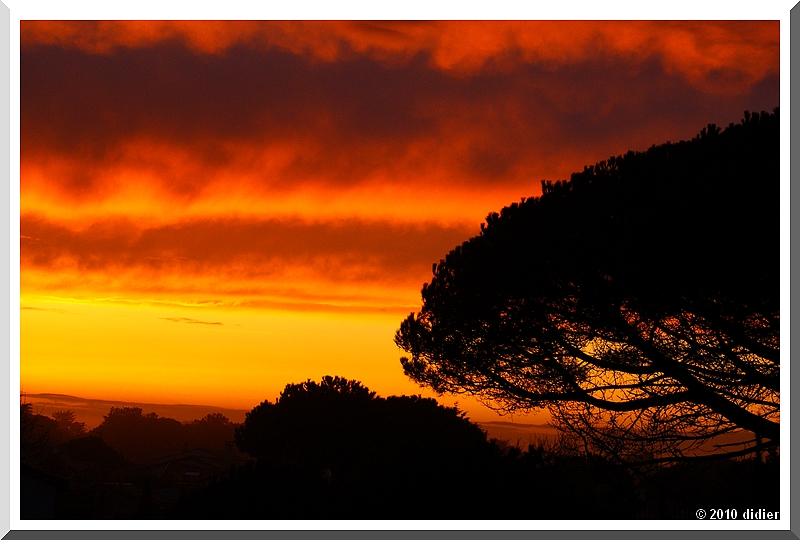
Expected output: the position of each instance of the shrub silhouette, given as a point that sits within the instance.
(373, 452)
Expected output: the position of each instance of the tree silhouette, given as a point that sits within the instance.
(337, 436)
(212, 431)
(36, 436)
(638, 302)
(310, 423)
(141, 438)
(67, 427)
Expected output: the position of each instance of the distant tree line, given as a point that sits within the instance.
(333, 449)
(143, 438)
(125, 438)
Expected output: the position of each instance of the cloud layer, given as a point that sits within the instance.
(698, 49)
(323, 162)
(347, 262)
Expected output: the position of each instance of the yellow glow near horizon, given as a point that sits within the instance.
(233, 358)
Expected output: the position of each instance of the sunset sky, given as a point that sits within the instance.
(212, 210)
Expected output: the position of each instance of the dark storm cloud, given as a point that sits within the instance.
(355, 116)
(77, 101)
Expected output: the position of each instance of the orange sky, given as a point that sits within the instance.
(211, 210)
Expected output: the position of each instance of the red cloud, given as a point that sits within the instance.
(700, 50)
(161, 150)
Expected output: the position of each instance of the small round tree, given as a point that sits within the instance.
(363, 439)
